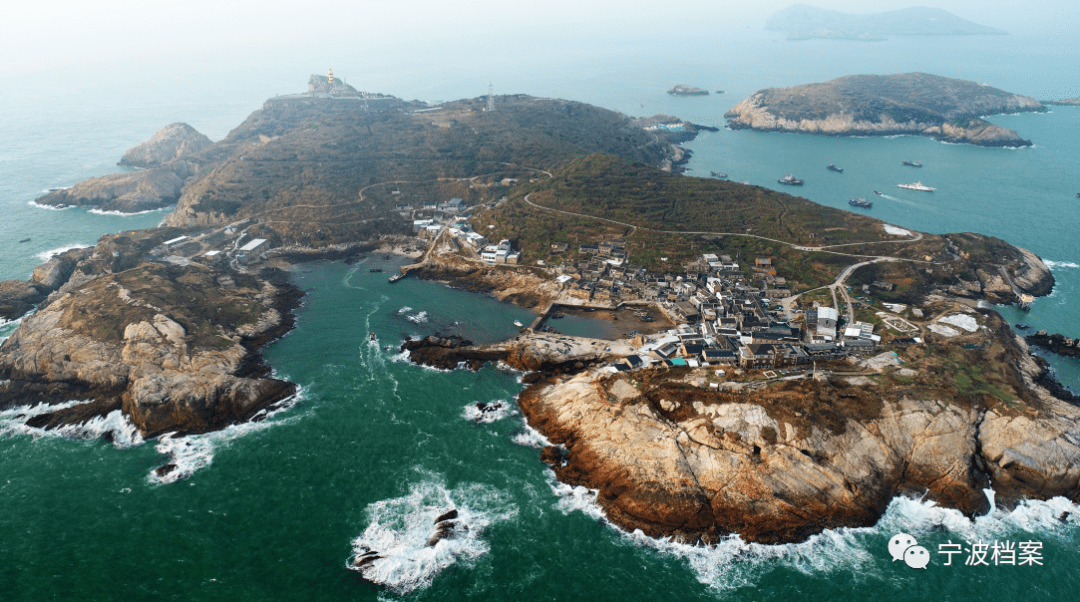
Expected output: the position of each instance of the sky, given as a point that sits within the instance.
(44, 35)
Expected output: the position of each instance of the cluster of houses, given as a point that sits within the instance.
(727, 313)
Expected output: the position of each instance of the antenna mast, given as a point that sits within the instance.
(491, 99)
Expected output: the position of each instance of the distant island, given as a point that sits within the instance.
(1068, 102)
(683, 90)
(919, 104)
(803, 22)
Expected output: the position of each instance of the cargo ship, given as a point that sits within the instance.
(917, 186)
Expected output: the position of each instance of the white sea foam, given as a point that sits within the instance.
(418, 318)
(1060, 264)
(489, 412)
(47, 255)
(404, 310)
(49, 207)
(530, 437)
(190, 453)
(114, 425)
(127, 213)
(399, 529)
(896, 231)
(734, 563)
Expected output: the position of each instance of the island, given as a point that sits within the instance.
(804, 22)
(917, 104)
(1065, 102)
(780, 368)
(683, 90)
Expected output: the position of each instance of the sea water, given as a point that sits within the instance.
(373, 447)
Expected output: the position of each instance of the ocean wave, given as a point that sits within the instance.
(530, 437)
(404, 310)
(400, 533)
(486, 413)
(187, 454)
(734, 563)
(49, 207)
(418, 318)
(114, 425)
(47, 255)
(1060, 264)
(127, 213)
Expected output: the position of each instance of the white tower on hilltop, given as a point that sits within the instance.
(491, 99)
(331, 76)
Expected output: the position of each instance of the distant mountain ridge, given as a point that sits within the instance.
(803, 21)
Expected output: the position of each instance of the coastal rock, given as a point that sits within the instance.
(18, 297)
(55, 272)
(126, 192)
(174, 141)
(120, 341)
(885, 105)
(780, 465)
(1032, 276)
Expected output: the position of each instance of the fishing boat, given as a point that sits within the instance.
(791, 180)
(878, 193)
(832, 167)
(375, 270)
(396, 277)
(860, 202)
(719, 174)
(518, 323)
(25, 240)
(917, 186)
(372, 338)
(912, 163)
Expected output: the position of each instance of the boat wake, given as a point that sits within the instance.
(409, 540)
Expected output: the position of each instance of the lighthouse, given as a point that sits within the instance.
(331, 76)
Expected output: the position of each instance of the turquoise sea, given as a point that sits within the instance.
(373, 448)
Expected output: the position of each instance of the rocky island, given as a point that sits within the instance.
(762, 428)
(683, 90)
(804, 22)
(917, 104)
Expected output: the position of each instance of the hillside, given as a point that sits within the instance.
(884, 105)
(803, 21)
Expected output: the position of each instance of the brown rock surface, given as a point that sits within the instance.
(782, 464)
(174, 141)
(127, 192)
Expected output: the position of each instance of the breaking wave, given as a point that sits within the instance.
(486, 413)
(127, 213)
(399, 537)
(114, 426)
(1060, 264)
(49, 207)
(47, 255)
(734, 563)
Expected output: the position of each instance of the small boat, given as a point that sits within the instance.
(396, 277)
(917, 186)
(518, 324)
(878, 193)
(386, 257)
(25, 240)
(719, 174)
(832, 167)
(372, 337)
(912, 163)
(790, 180)
(375, 270)
(860, 202)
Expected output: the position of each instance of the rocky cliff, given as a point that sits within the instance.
(18, 296)
(174, 347)
(126, 192)
(782, 464)
(174, 141)
(885, 105)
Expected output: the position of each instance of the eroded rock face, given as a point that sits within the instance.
(17, 297)
(127, 192)
(118, 340)
(174, 141)
(713, 464)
